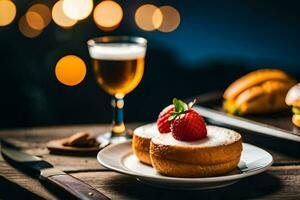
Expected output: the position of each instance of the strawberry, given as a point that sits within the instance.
(163, 122)
(187, 124)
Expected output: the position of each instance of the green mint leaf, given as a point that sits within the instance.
(172, 116)
(180, 106)
(183, 105)
(176, 105)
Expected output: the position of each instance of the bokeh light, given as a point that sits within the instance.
(77, 9)
(38, 16)
(148, 17)
(171, 19)
(35, 20)
(157, 18)
(8, 12)
(70, 70)
(60, 18)
(26, 30)
(108, 15)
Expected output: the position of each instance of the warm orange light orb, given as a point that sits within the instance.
(77, 9)
(8, 12)
(70, 70)
(38, 16)
(108, 15)
(60, 18)
(35, 20)
(157, 18)
(171, 19)
(26, 30)
(148, 17)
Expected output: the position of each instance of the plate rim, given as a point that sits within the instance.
(183, 180)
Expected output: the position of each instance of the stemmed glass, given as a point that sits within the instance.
(118, 64)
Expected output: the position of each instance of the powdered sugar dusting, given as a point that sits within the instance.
(147, 131)
(216, 136)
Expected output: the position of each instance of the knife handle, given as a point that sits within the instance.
(76, 187)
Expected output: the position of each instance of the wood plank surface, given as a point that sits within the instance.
(273, 184)
(282, 181)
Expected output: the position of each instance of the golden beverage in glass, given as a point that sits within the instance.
(118, 64)
(118, 76)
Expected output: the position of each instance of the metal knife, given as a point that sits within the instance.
(46, 172)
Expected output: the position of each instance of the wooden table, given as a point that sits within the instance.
(281, 181)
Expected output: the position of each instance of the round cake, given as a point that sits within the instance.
(141, 141)
(217, 154)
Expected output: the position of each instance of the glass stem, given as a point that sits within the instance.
(118, 120)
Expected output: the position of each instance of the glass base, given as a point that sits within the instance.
(107, 138)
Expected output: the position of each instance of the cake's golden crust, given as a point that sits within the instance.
(141, 143)
(197, 155)
(181, 169)
(193, 161)
(143, 156)
(141, 147)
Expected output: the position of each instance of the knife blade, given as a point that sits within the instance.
(47, 172)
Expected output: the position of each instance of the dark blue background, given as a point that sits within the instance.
(216, 42)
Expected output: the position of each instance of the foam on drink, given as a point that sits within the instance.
(117, 51)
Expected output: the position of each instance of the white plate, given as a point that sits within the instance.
(120, 158)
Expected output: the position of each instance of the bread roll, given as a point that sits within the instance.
(293, 99)
(261, 91)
